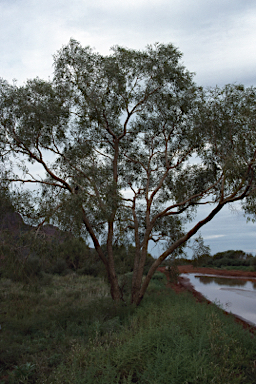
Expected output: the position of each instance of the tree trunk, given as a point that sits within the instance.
(114, 286)
(137, 278)
(174, 246)
(141, 292)
(108, 262)
(136, 281)
(112, 277)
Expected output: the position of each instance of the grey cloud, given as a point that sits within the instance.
(206, 32)
(238, 233)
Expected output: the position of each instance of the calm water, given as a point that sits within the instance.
(232, 294)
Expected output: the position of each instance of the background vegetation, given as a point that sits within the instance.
(59, 323)
(231, 259)
(26, 257)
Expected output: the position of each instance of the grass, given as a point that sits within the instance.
(239, 268)
(69, 331)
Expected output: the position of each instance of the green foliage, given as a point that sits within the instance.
(22, 374)
(239, 268)
(231, 254)
(173, 272)
(226, 259)
(71, 332)
(200, 251)
(5, 200)
(18, 262)
(253, 262)
(26, 257)
(183, 261)
(158, 281)
(124, 259)
(132, 121)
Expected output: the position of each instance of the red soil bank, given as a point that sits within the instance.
(219, 272)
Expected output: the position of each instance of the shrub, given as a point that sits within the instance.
(173, 273)
(253, 263)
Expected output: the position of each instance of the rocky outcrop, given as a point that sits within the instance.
(12, 223)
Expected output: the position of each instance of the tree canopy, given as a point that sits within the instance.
(126, 147)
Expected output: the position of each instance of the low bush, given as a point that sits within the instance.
(173, 273)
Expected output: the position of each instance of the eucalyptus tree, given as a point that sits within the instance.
(130, 148)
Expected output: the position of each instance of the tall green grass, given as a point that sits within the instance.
(70, 331)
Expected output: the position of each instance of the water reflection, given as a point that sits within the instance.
(233, 294)
(222, 281)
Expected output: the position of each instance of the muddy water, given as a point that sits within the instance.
(234, 295)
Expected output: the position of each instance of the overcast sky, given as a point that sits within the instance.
(217, 38)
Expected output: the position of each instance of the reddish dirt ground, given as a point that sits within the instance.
(219, 272)
(184, 284)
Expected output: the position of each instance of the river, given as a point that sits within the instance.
(234, 295)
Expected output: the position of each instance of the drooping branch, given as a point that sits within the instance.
(42, 162)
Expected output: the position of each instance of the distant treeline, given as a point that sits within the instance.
(230, 258)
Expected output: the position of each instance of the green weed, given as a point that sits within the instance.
(70, 331)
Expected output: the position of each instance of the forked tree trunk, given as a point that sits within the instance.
(139, 289)
(139, 262)
(140, 294)
(115, 291)
(169, 251)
